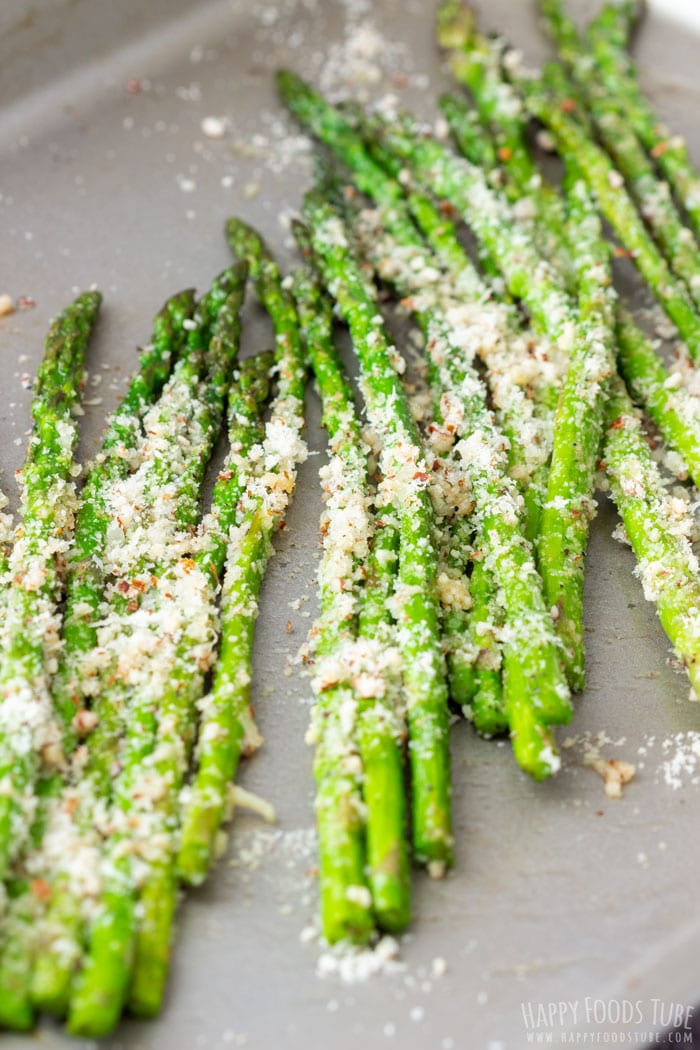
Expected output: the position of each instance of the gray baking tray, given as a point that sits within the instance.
(559, 894)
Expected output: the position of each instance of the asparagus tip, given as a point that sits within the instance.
(455, 24)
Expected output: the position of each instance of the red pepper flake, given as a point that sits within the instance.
(617, 424)
(288, 627)
(660, 148)
(25, 302)
(624, 253)
(132, 605)
(505, 153)
(188, 564)
(568, 105)
(420, 475)
(70, 806)
(133, 86)
(40, 889)
(447, 209)
(123, 587)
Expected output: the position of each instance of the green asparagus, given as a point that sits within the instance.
(347, 547)
(30, 739)
(658, 527)
(578, 426)
(652, 194)
(618, 208)
(417, 606)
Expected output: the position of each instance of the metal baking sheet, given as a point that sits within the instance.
(559, 894)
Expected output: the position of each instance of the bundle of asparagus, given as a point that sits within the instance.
(547, 406)
(108, 832)
(454, 535)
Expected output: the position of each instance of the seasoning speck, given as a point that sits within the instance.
(214, 127)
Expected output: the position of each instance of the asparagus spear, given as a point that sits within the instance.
(173, 432)
(157, 899)
(659, 392)
(531, 663)
(473, 140)
(6, 541)
(206, 807)
(17, 938)
(161, 714)
(345, 895)
(224, 713)
(577, 431)
(652, 194)
(617, 20)
(424, 670)
(618, 208)
(29, 733)
(506, 352)
(86, 580)
(605, 37)
(476, 62)
(486, 620)
(346, 545)
(658, 527)
(651, 384)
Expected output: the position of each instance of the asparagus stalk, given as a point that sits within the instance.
(618, 208)
(268, 505)
(486, 621)
(652, 194)
(344, 886)
(86, 579)
(346, 545)
(617, 20)
(658, 527)
(6, 541)
(473, 140)
(161, 714)
(540, 697)
(650, 383)
(225, 713)
(418, 634)
(578, 426)
(173, 434)
(508, 355)
(17, 936)
(158, 897)
(226, 710)
(659, 392)
(476, 62)
(605, 37)
(30, 738)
